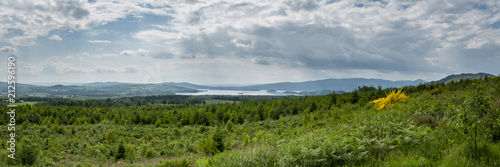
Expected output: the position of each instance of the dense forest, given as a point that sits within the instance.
(438, 124)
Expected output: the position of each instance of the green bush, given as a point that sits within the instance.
(150, 153)
(130, 153)
(208, 146)
(111, 136)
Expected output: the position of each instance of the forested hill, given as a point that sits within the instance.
(463, 76)
(97, 90)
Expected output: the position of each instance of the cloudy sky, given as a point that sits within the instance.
(248, 41)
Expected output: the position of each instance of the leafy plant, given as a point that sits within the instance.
(28, 152)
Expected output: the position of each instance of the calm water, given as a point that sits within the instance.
(235, 92)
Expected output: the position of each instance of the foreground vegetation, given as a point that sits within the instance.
(456, 124)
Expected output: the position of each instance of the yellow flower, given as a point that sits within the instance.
(390, 100)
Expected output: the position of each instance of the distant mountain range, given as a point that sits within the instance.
(119, 89)
(334, 84)
(318, 85)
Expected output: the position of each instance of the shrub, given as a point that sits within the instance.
(149, 137)
(130, 153)
(150, 153)
(203, 129)
(390, 100)
(111, 136)
(208, 146)
(214, 143)
(229, 126)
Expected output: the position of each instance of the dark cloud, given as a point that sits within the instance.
(79, 13)
(308, 5)
(162, 55)
(260, 60)
(73, 9)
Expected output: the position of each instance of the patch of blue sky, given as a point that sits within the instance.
(496, 25)
(404, 7)
(381, 1)
(360, 5)
(331, 2)
(11, 32)
(480, 6)
(147, 5)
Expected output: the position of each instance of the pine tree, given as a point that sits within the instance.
(121, 151)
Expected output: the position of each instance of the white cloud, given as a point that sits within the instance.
(98, 41)
(138, 52)
(37, 18)
(392, 35)
(131, 69)
(56, 37)
(164, 27)
(107, 69)
(106, 55)
(8, 49)
(54, 65)
(99, 69)
(23, 40)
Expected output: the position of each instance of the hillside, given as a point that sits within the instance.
(463, 76)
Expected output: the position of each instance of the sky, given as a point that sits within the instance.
(247, 41)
